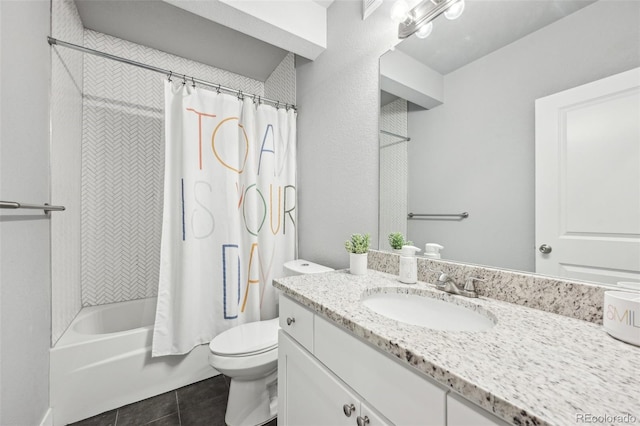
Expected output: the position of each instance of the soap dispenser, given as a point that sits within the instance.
(432, 250)
(408, 265)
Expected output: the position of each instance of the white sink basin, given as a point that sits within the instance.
(427, 312)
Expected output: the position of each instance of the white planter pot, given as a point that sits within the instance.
(358, 263)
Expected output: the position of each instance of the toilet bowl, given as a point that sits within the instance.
(248, 354)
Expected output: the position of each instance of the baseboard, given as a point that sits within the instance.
(47, 420)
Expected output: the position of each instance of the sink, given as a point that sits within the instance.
(427, 312)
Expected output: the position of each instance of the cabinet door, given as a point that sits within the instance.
(403, 396)
(307, 394)
(461, 412)
(374, 419)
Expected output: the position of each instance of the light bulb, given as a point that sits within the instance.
(400, 11)
(424, 30)
(455, 10)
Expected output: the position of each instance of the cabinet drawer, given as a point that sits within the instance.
(461, 412)
(297, 322)
(402, 395)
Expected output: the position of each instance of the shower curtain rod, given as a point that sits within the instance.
(185, 78)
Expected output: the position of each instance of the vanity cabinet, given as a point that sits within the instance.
(327, 376)
(461, 412)
(325, 373)
(309, 395)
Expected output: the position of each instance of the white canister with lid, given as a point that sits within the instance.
(409, 265)
(432, 250)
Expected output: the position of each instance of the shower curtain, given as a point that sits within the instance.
(229, 220)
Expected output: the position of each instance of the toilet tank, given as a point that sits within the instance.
(301, 267)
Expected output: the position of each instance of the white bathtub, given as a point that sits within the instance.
(103, 361)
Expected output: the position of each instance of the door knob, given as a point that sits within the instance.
(348, 409)
(362, 421)
(545, 249)
(290, 320)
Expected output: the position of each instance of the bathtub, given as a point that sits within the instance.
(103, 361)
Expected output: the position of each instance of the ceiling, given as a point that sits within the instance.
(485, 26)
(161, 26)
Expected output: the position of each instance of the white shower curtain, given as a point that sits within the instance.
(229, 220)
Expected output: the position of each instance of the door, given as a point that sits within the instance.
(588, 181)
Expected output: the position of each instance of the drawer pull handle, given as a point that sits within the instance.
(290, 320)
(362, 421)
(348, 409)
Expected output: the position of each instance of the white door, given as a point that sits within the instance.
(588, 181)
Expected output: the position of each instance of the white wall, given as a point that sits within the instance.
(25, 316)
(410, 79)
(337, 96)
(66, 149)
(475, 152)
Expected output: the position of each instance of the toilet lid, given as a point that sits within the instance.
(245, 339)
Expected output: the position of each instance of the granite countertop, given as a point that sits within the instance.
(531, 368)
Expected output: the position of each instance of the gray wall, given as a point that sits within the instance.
(25, 318)
(338, 133)
(475, 152)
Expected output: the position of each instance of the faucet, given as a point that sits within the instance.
(447, 284)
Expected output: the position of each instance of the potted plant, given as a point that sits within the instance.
(357, 247)
(396, 241)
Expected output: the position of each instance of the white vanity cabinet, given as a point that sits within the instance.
(461, 412)
(331, 372)
(327, 376)
(309, 395)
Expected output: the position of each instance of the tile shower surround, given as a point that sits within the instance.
(574, 299)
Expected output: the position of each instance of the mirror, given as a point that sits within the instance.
(458, 124)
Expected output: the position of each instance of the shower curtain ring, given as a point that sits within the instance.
(240, 96)
(278, 105)
(170, 74)
(193, 83)
(184, 79)
(218, 89)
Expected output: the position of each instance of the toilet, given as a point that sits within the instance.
(248, 354)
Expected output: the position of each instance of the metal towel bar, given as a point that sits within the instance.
(15, 205)
(462, 215)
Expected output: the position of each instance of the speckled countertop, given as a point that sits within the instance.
(531, 368)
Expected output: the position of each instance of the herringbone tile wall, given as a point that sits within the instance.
(394, 171)
(281, 84)
(123, 161)
(66, 141)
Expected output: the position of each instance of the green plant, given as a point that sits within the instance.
(359, 243)
(396, 240)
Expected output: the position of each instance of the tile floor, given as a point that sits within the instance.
(202, 403)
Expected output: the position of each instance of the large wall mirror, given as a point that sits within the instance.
(460, 119)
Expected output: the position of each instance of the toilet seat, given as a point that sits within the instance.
(247, 339)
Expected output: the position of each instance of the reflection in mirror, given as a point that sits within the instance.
(459, 115)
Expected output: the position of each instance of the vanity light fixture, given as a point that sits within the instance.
(419, 19)
(455, 10)
(424, 30)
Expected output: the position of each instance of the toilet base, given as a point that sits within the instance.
(252, 402)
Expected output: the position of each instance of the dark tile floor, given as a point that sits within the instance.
(202, 403)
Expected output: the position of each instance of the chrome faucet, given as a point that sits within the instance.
(447, 284)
